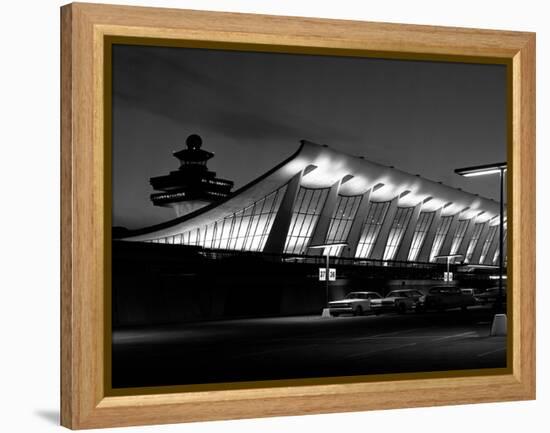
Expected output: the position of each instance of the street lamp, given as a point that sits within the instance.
(482, 170)
(327, 247)
(448, 257)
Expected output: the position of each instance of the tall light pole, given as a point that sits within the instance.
(327, 248)
(482, 170)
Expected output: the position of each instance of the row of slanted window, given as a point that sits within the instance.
(248, 229)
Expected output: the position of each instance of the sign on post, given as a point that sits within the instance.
(323, 274)
(447, 276)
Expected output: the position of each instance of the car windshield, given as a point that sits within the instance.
(353, 295)
(444, 290)
(437, 290)
(397, 294)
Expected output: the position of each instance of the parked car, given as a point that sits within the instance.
(355, 303)
(475, 292)
(401, 301)
(443, 298)
(490, 296)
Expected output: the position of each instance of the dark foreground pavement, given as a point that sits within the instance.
(305, 347)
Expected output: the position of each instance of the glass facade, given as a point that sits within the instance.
(248, 229)
(371, 228)
(487, 243)
(397, 230)
(245, 230)
(440, 235)
(341, 222)
(478, 228)
(421, 230)
(459, 235)
(307, 209)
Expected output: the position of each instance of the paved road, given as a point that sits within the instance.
(301, 347)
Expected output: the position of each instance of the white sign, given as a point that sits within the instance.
(323, 274)
(447, 276)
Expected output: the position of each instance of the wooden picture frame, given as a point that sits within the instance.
(85, 223)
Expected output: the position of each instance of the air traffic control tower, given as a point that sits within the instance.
(192, 186)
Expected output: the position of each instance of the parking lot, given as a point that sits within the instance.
(304, 347)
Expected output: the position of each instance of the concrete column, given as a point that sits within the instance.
(276, 240)
(357, 225)
(448, 241)
(463, 247)
(403, 250)
(426, 248)
(320, 231)
(380, 244)
(492, 248)
(479, 246)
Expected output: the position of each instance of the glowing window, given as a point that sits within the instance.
(420, 232)
(399, 225)
(487, 243)
(440, 235)
(245, 230)
(307, 209)
(459, 235)
(341, 222)
(371, 228)
(473, 242)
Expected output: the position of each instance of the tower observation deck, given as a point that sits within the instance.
(192, 186)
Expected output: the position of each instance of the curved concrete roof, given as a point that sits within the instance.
(330, 166)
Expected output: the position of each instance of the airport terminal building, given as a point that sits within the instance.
(320, 196)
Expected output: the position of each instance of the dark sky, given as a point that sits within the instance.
(251, 110)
